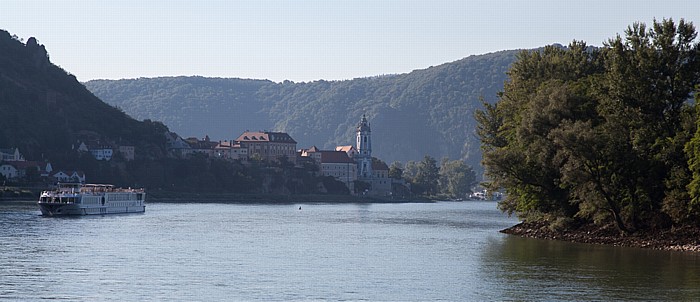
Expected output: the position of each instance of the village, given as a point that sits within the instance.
(352, 165)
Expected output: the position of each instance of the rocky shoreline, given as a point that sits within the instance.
(685, 238)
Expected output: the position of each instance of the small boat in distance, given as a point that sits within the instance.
(91, 199)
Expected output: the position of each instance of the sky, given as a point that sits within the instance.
(304, 41)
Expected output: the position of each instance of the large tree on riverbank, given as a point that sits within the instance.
(598, 134)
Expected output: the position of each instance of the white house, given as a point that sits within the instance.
(230, 150)
(102, 152)
(18, 169)
(10, 155)
(9, 171)
(127, 152)
(70, 176)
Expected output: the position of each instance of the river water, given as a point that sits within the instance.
(376, 252)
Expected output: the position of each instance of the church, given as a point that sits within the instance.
(369, 169)
(350, 164)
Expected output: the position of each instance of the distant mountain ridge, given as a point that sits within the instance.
(428, 111)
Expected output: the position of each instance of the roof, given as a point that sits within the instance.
(379, 165)
(335, 157)
(20, 165)
(69, 173)
(266, 136)
(227, 145)
(345, 148)
(195, 143)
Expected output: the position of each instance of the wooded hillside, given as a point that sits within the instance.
(45, 111)
(426, 111)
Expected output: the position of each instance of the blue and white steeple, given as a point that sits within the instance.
(364, 148)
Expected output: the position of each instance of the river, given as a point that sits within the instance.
(450, 251)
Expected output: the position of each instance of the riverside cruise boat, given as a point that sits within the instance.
(91, 199)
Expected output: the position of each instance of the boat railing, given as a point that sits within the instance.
(91, 189)
(110, 190)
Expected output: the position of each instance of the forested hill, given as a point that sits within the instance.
(427, 111)
(44, 110)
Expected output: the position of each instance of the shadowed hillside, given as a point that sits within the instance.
(44, 110)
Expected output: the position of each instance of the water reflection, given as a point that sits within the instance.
(551, 270)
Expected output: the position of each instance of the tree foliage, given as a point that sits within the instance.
(426, 177)
(456, 178)
(598, 134)
(396, 170)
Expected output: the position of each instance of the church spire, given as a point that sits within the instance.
(363, 125)
(364, 148)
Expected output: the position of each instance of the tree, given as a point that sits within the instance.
(427, 176)
(518, 152)
(643, 96)
(32, 175)
(361, 187)
(599, 134)
(456, 178)
(410, 171)
(396, 170)
(692, 150)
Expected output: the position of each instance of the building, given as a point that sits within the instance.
(204, 146)
(127, 152)
(11, 154)
(364, 148)
(9, 171)
(15, 170)
(380, 181)
(101, 152)
(268, 145)
(230, 150)
(69, 176)
(370, 170)
(175, 145)
(336, 164)
(350, 150)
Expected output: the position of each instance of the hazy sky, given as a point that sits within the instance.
(308, 40)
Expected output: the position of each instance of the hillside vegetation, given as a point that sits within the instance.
(44, 111)
(426, 111)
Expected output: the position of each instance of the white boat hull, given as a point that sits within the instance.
(60, 209)
(91, 199)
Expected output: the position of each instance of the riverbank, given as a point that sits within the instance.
(191, 197)
(676, 239)
(16, 193)
(24, 194)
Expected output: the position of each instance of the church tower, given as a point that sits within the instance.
(364, 149)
